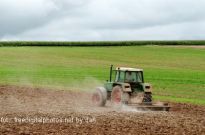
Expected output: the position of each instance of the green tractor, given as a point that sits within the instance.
(127, 86)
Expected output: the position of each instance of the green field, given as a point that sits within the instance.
(176, 73)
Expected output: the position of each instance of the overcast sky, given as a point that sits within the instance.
(91, 20)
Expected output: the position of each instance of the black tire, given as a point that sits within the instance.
(99, 97)
(147, 98)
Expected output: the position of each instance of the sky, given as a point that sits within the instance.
(101, 20)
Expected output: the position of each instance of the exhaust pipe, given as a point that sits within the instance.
(111, 66)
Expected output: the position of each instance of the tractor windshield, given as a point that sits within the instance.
(131, 76)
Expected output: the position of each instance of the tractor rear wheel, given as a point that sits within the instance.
(99, 97)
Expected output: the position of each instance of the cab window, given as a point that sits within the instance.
(120, 76)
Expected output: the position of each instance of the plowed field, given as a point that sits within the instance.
(25, 110)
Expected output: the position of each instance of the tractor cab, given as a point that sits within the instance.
(128, 75)
(131, 77)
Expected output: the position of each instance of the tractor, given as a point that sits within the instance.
(126, 86)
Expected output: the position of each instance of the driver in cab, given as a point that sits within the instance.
(129, 77)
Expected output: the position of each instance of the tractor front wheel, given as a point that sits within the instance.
(147, 98)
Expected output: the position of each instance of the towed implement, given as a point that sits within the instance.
(127, 86)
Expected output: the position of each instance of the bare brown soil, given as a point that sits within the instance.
(25, 110)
